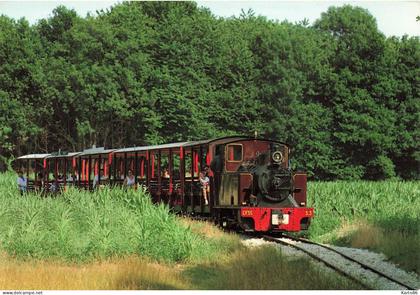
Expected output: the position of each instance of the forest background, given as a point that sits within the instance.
(344, 96)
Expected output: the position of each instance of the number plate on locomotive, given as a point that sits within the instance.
(247, 212)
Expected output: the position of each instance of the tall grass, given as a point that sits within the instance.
(128, 273)
(79, 226)
(262, 268)
(126, 242)
(265, 268)
(393, 204)
(384, 215)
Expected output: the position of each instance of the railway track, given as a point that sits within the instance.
(329, 256)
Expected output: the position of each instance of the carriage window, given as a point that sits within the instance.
(234, 152)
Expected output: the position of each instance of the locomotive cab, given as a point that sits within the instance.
(256, 189)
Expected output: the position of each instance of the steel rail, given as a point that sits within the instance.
(302, 240)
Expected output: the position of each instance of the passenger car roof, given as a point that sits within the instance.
(33, 156)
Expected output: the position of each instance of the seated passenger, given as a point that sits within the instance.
(96, 178)
(54, 186)
(95, 181)
(130, 180)
(204, 182)
(72, 178)
(207, 171)
(39, 182)
(22, 183)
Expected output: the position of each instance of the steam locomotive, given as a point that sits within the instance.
(251, 185)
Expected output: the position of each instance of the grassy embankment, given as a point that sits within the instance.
(381, 216)
(116, 239)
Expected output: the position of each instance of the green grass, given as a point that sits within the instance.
(265, 268)
(80, 226)
(385, 215)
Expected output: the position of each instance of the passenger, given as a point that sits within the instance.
(208, 174)
(130, 180)
(96, 179)
(204, 181)
(54, 184)
(207, 170)
(22, 183)
(71, 178)
(165, 173)
(39, 182)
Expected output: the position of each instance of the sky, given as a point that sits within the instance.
(394, 18)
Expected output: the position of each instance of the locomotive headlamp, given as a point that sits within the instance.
(277, 157)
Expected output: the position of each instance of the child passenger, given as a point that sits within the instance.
(22, 183)
(204, 181)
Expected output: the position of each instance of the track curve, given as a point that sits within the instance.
(297, 244)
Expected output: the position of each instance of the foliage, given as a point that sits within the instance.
(381, 202)
(382, 216)
(345, 96)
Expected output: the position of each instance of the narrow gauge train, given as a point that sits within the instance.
(251, 184)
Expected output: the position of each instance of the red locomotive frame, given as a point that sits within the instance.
(251, 184)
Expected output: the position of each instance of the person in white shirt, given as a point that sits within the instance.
(22, 183)
(130, 180)
(96, 179)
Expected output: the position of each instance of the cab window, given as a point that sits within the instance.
(234, 153)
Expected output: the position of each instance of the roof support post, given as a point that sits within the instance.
(35, 172)
(171, 172)
(114, 170)
(136, 167)
(79, 171)
(125, 165)
(99, 169)
(148, 170)
(88, 171)
(159, 177)
(192, 180)
(27, 170)
(182, 176)
(65, 172)
(200, 155)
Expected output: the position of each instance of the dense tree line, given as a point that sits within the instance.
(341, 93)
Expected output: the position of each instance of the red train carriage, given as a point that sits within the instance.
(251, 184)
(93, 167)
(33, 166)
(59, 171)
(48, 172)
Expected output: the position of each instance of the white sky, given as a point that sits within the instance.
(393, 17)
